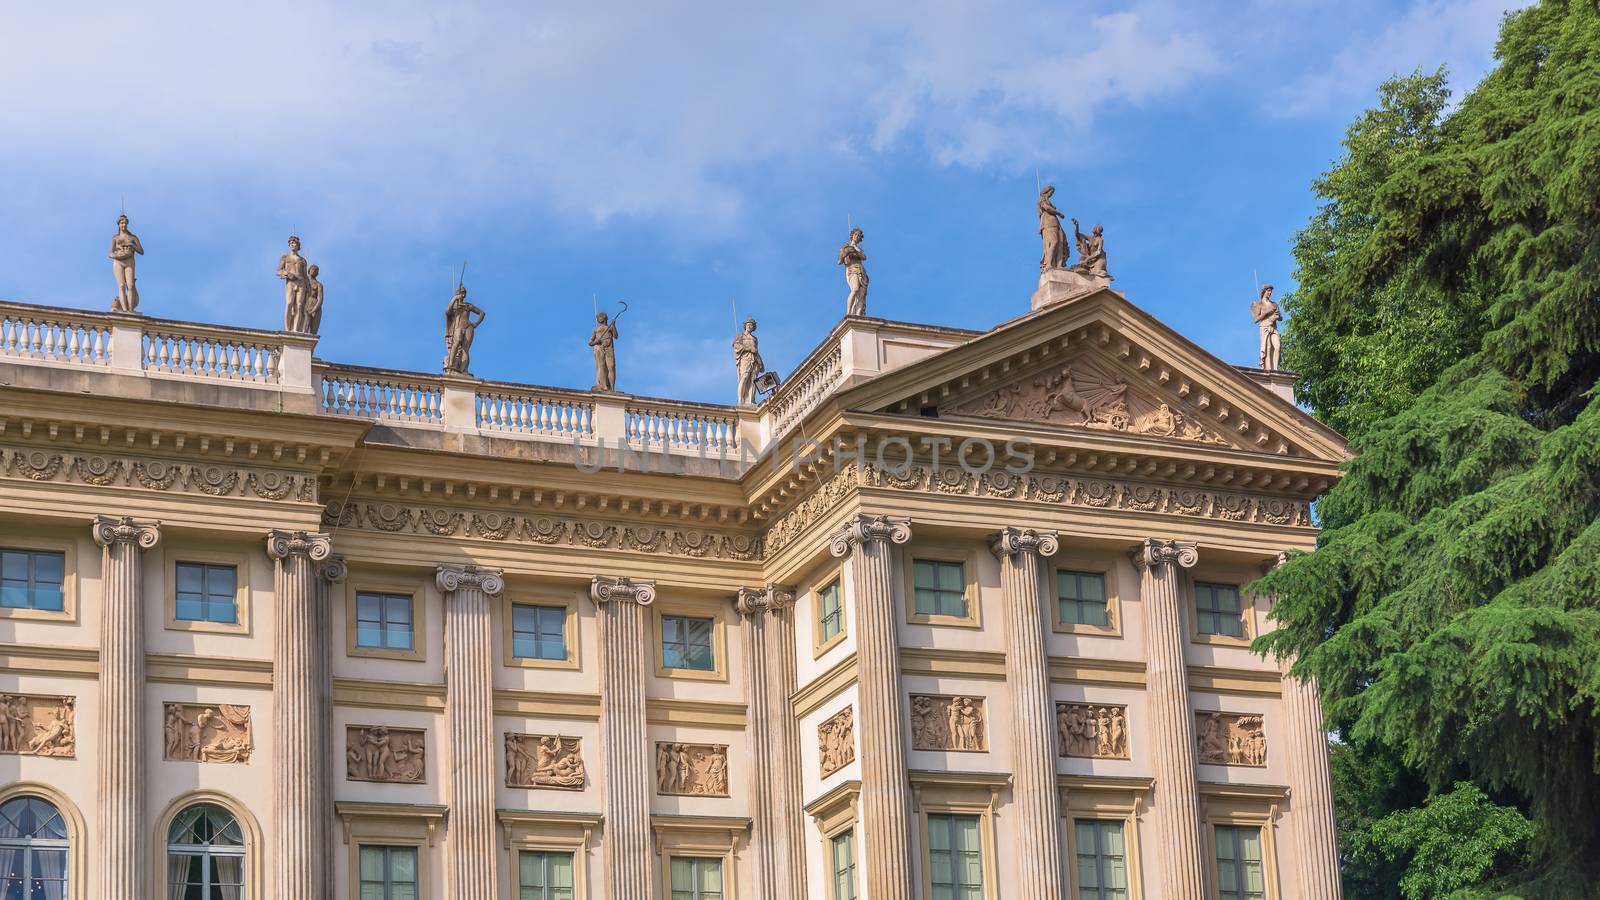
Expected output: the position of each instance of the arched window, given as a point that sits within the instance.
(205, 855)
(33, 850)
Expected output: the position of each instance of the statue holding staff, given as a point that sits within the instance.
(1267, 315)
(747, 360)
(124, 246)
(1055, 240)
(292, 269)
(459, 329)
(853, 258)
(604, 339)
(1091, 251)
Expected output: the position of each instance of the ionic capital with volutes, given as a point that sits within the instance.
(312, 545)
(333, 569)
(752, 601)
(109, 530)
(1156, 554)
(453, 578)
(864, 529)
(621, 589)
(1014, 541)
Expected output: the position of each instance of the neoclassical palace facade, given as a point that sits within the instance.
(950, 614)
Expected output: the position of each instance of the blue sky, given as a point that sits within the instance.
(681, 157)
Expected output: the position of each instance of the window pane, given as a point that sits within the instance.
(221, 582)
(403, 865)
(191, 578)
(397, 610)
(560, 870)
(369, 608)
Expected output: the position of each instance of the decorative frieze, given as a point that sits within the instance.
(1092, 730)
(691, 770)
(38, 726)
(383, 754)
(544, 761)
(836, 741)
(211, 734)
(106, 470)
(1231, 739)
(948, 723)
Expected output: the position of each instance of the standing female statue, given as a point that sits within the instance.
(853, 258)
(747, 359)
(1267, 315)
(1055, 240)
(292, 269)
(459, 329)
(313, 315)
(124, 245)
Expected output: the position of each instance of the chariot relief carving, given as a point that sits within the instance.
(381, 753)
(38, 726)
(544, 761)
(1231, 739)
(692, 770)
(836, 741)
(1096, 731)
(213, 734)
(948, 723)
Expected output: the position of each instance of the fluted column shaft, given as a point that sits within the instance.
(120, 797)
(777, 839)
(1033, 741)
(299, 745)
(330, 572)
(1310, 791)
(885, 792)
(1167, 689)
(469, 712)
(624, 645)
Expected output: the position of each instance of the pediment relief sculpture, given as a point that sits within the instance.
(836, 741)
(38, 726)
(1092, 730)
(1231, 739)
(1083, 395)
(544, 761)
(691, 770)
(212, 734)
(948, 723)
(383, 754)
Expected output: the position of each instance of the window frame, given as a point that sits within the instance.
(548, 832)
(77, 870)
(238, 559)
(1088, 565)
(1243, 806)
(1226, 577)
(68, 613)
(962, 794)
(358, 584)
(1104, 799)
(833, 814)
(716, 612)
(388, 850)
(967, 557)
(254, 871)
(389, 825)
(819, 644)
(698, 836)
(566, 602)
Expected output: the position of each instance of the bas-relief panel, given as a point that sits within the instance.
(38, 726)
(1231, 739)
(836, 741)
(384, 754)
(544, 761)
(948, 723)
(104, 470)
(1095, 731)
(692, 770)
(213, 734)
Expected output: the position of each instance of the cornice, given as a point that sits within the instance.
(824, 687)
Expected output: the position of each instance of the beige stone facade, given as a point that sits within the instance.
(949, 607)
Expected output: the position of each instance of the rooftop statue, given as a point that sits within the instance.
(853, 258)
(1267, 315)
(124, 245)
(604, 340)
(459, 329)
(747, 360)
(1091, 251)
(1055, 240)
(292, 269)
(313, 308)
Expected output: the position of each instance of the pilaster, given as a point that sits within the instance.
(885, 792)
(330, 572)
(469, 710)
(778, 835)
(624, 645)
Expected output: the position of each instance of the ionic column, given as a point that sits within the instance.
(469, 712)
(778, 838)
(299, 751)
(1171, 718)
(1033, 738)
(885, 794)
(330, 572)
(120, 798)
(624, 646)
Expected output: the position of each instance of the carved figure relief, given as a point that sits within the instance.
(544, 761)
(213, 734)
(836, 741)
(1231, 739)
(1083, 395)
(38, 726)
(381, 753)
(1096, 731)
(692, 770)
(948, 723)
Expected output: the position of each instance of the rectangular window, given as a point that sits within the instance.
(686, 643)
(539, 632)
(1239, 872)
(1217, 608)
(830, 611)
(383, 621)
(956, 857)
(941, 588)
(842, 848)
(32, 579)
(696, 878)
(1102, 861)
(544, 876)
(388, 873)
(207, 593)
(1082, 597)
